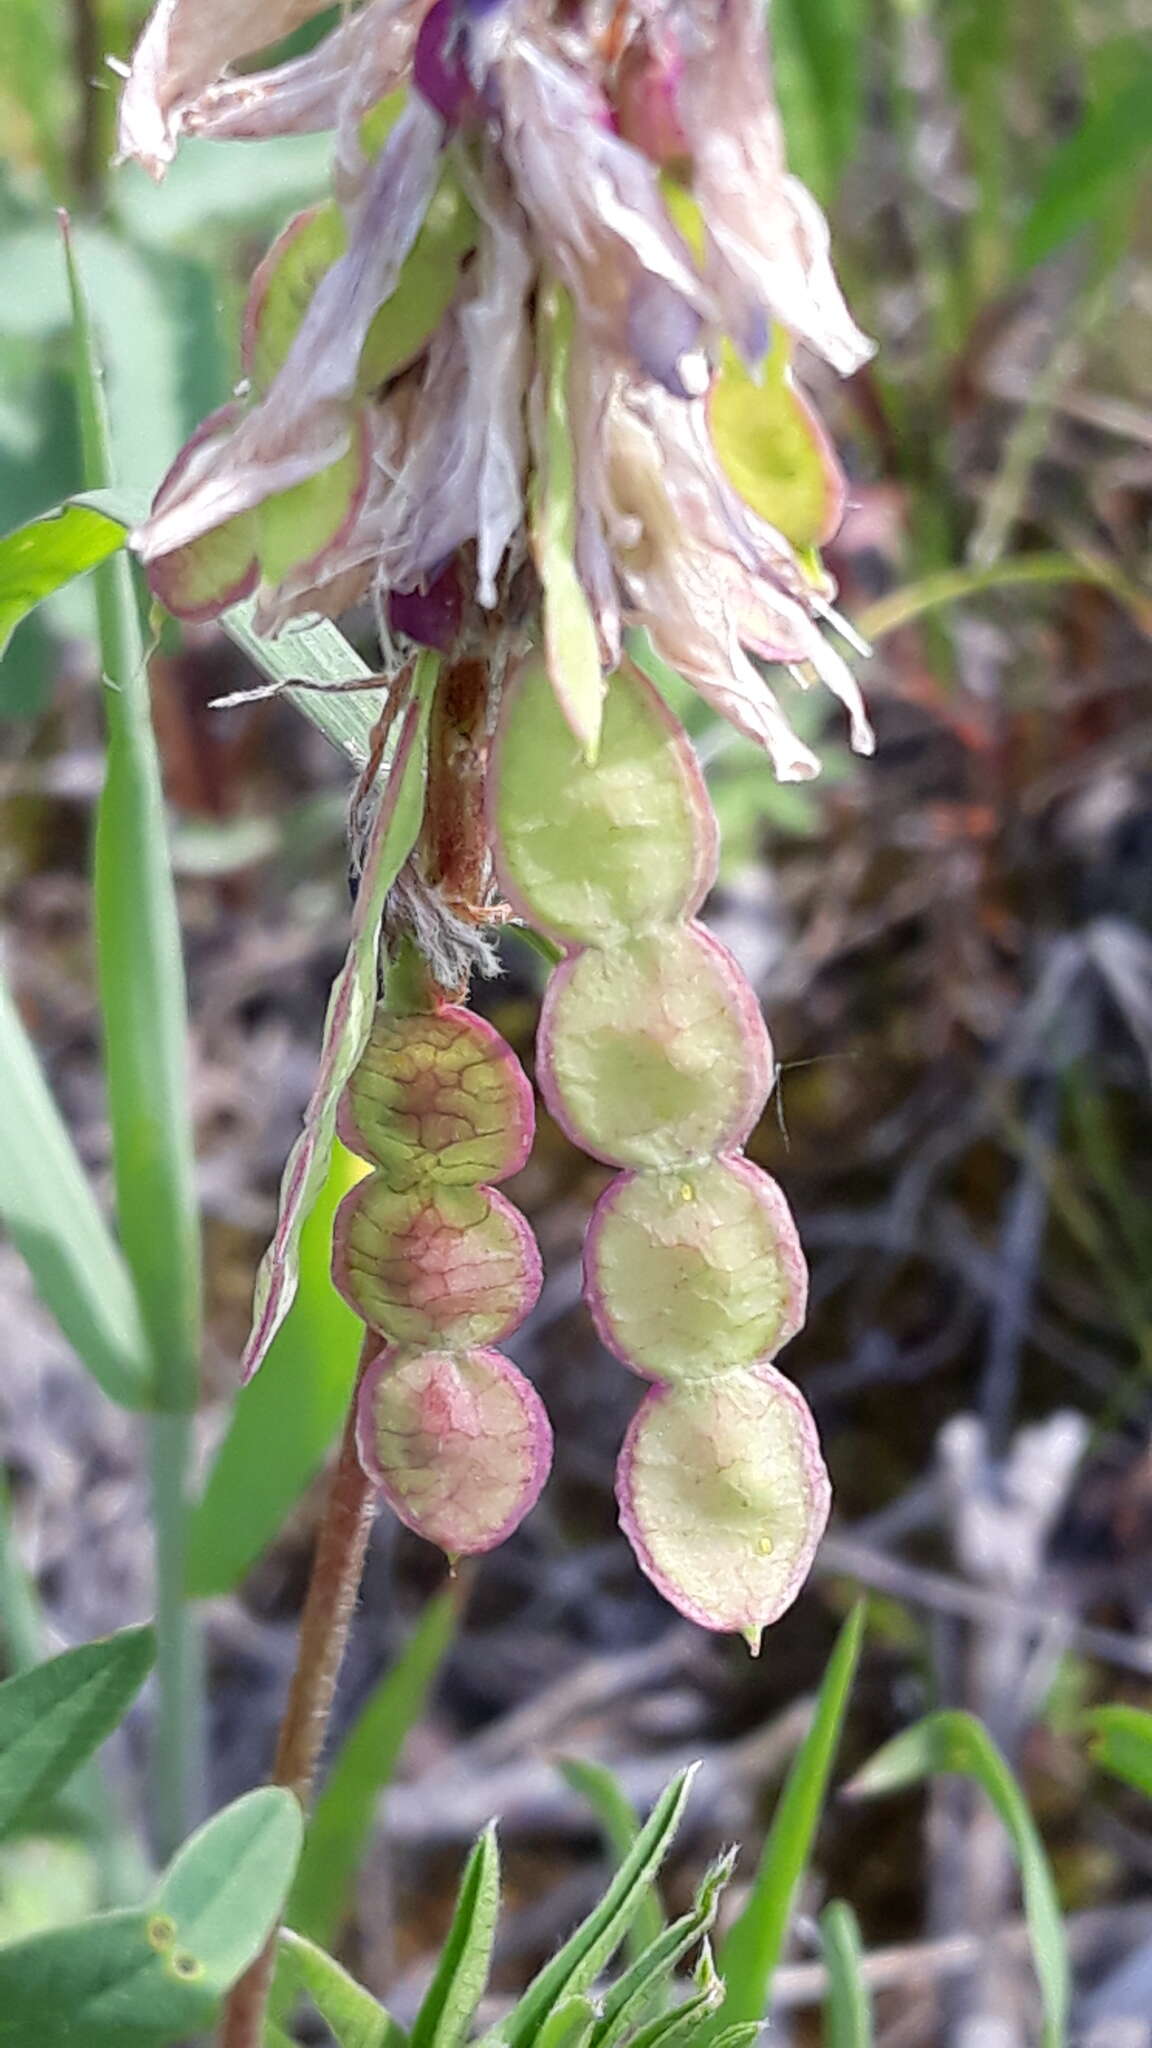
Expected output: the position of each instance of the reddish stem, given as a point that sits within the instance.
(324, 1627)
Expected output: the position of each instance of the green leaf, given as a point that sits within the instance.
(50, 1212)
(569, 2025)
(143, 1978)
(39, 558)
(688, 2021)
(571, 644)
(951, 586)
(351, 2012)
(462, 1971)
(620, 1822)
(955, 1741)
(285, 1419)
(225, 1889)
(848, 2008)
(54, 1716)
(817, 48)
(342, 1818)
(583, 1956)
(1122, 1744)
(143, 1012)
(1107, 154)
(634, 1992)
(752, 1948)
(104, 1982)
(140, 965)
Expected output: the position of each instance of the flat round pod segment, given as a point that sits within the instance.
(457, 1441)
(655, 1053)
(695, 1273)
(438, 1096)
(593, 853)
(434, 1266)
(724, 1497)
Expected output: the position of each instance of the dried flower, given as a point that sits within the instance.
(631, 182)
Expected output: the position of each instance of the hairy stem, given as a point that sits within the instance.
(324, 1629)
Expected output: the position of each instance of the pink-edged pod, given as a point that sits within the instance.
(457, 1441)
(592, 853)
(695, 1272)
(438, 1265)
(438, 1096)
(441, 1265)
(724, 1497)
(654, 1052)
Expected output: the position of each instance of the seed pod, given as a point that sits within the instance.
(653, 1055)
(437, 1262)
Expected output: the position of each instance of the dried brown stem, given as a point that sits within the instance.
(324, 1629)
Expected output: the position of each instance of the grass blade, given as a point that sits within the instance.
(1107, 154)
(54, 1716)
(584, 1955)
(314, 654)
(284, 1420)
(144, 1012)
(462, 1971)
(951, 586)
(848, 2007)
(343, 1814)
(620, 1822)
(752, 1948)
(51, 1214)
(351, 2012)
(1122, 1744)
(953, 1741)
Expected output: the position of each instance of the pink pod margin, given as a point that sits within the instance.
(792, 1258)
(759, 1072)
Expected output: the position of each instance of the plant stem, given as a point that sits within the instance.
(178, 1731)
(324, 1627)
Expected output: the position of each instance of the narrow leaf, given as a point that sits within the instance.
(140, 966)
(285, 1419)
(1122, 1744)
(571, 647)
(225, 1889)
(50, 1212)
(351, 2012)
(342, 1818)
(627, 2000)
(848, 2007)
(349, 1018)
(53, 1716)
(621, 1824)
(306, 655)
(752, 1949)
(39, 558)
(1108, 152)
(569, 2025)
(583, 1956)
(956, 1741)
(462, 1971)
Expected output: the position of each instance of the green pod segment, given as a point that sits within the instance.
(724, 1497)
(594, 853)
(654, 1053)
(694, 1273)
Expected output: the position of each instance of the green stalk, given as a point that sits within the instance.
(144, 1016)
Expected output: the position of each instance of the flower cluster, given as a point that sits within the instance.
(532, 360)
